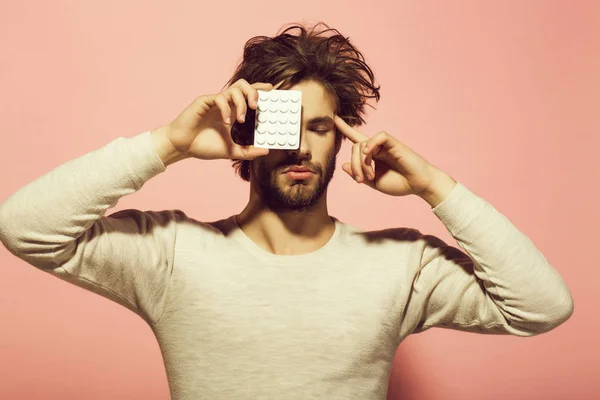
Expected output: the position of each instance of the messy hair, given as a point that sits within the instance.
(321, 55)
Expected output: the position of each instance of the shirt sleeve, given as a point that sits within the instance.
(57, 223)
(500, 284)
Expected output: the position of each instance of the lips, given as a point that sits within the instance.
(297, 168)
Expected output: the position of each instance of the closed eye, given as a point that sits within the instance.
(320, 130)
(321, 124)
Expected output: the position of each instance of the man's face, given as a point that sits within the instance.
(279, 187)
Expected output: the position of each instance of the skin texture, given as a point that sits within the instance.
(285, 215)
(281, 193)
(288, 216)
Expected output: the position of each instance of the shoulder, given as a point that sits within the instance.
(173, 219)
(353, 234)
(393, 236)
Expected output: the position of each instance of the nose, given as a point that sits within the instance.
(303, 151)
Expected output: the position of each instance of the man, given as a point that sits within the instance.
(283, 300)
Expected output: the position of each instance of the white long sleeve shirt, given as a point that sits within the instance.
(234, 321)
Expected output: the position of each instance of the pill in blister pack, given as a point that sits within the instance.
(278, 119)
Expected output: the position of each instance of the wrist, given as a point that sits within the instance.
(164, 148)
(440, 188)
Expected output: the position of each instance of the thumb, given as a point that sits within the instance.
(347, 169)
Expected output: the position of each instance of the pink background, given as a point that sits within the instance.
(503, 96)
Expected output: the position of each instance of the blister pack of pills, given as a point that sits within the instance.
(278, 119)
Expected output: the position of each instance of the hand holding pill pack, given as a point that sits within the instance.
(278, 119)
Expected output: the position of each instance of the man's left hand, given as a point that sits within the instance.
(397, 170)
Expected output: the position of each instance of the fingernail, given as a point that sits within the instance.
(228, 120)
(242, 117)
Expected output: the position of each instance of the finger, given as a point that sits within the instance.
(354, 135)
(240, 104)
(347, 169)
(278, 85)
(222, 102)
(250, 152)
(369, 161)
(251, 91)
(382, 139)
(257, 85)
(356, 163)
(202, 104)
(366, 164)
(369, 153)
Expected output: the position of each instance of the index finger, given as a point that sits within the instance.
(353, 134)
(251, 91)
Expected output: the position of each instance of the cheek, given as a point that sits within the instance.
(325, 157)
(326, 146)
(268, 162)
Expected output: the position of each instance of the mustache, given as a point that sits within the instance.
(291, 162)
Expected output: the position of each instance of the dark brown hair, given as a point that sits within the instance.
(322, 55)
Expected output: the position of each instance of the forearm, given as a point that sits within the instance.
(509, 269)
(164, 148)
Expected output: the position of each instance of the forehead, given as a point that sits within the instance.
(316, 100)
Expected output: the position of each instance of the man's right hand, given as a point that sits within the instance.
(203, 129)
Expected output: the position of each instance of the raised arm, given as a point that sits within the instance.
(499, 283)
(58, 222)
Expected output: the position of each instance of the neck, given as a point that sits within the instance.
(287, 232)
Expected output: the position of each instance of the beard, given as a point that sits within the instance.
(292, 195)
